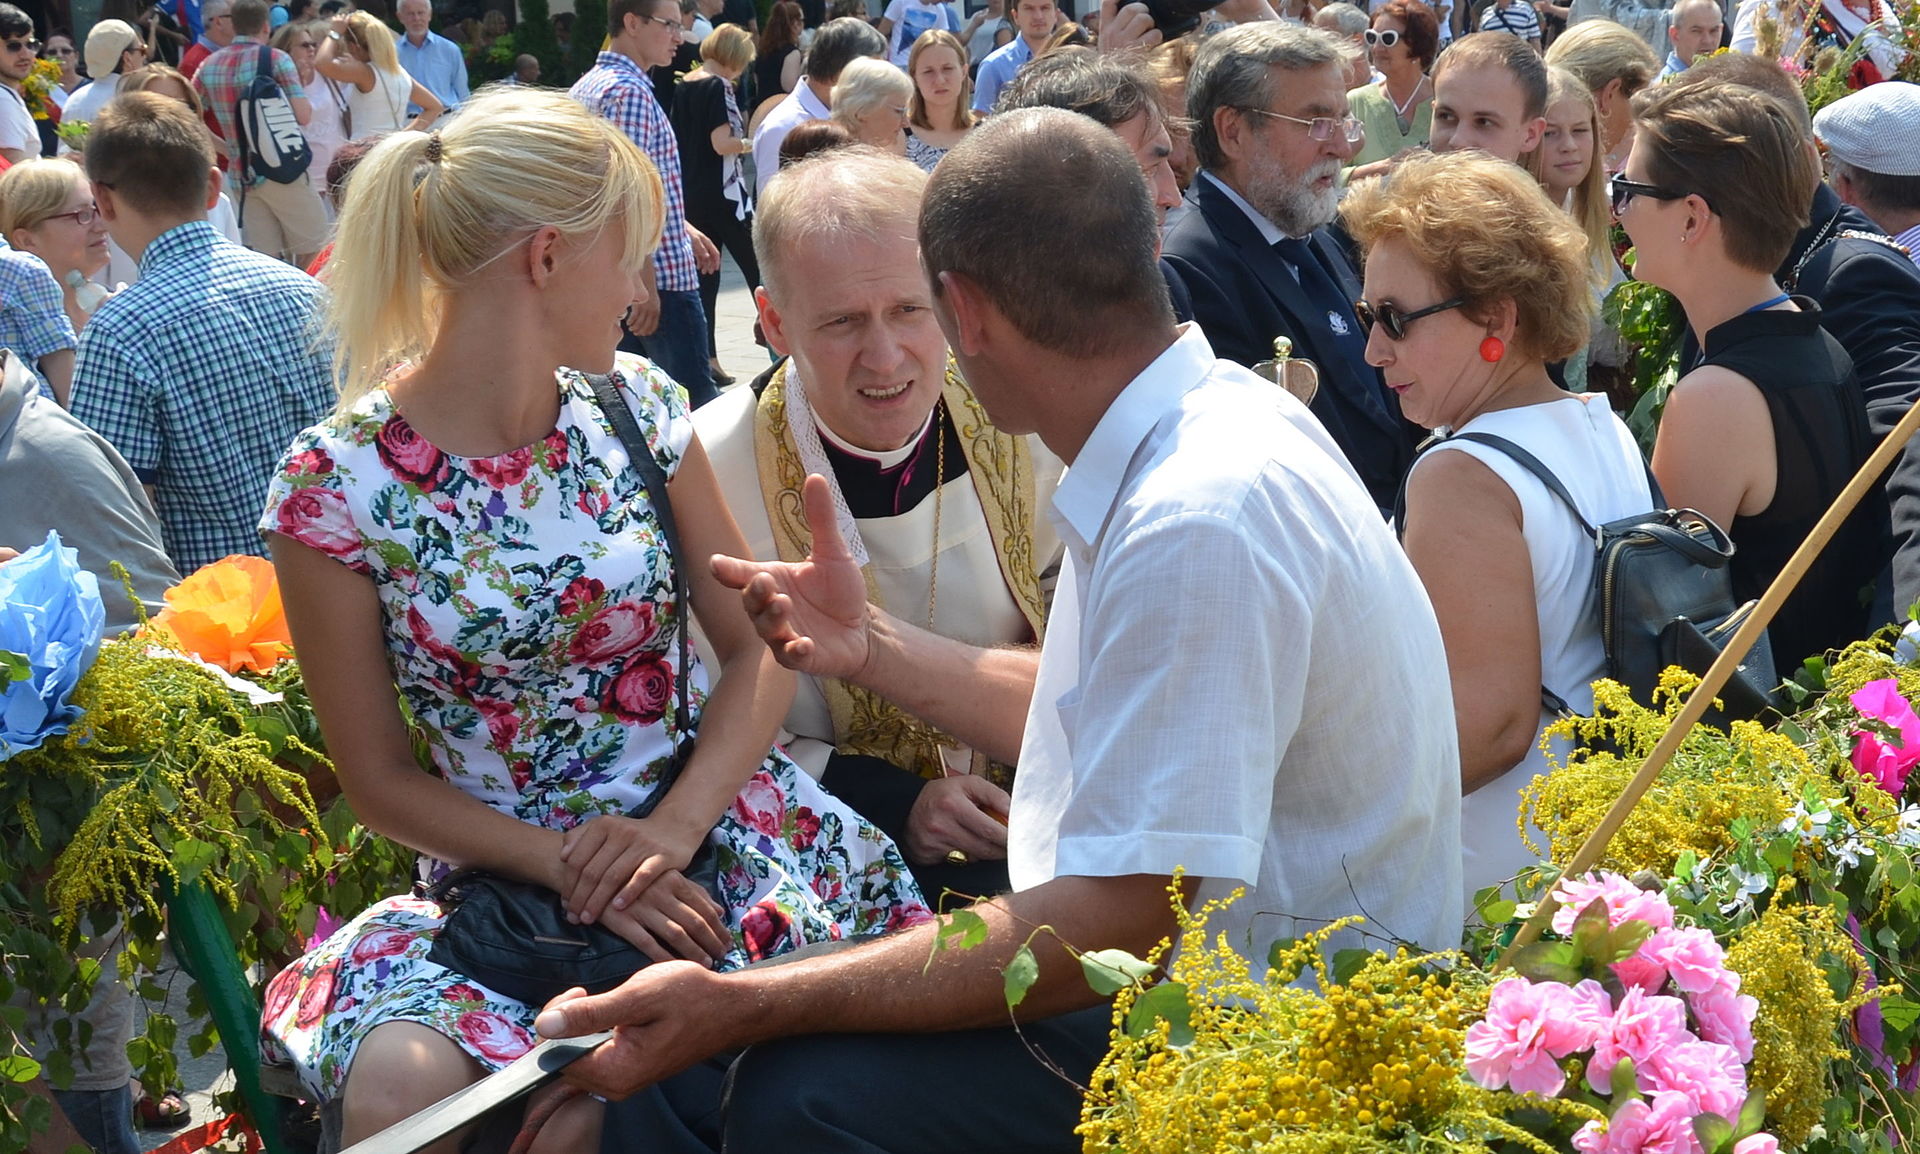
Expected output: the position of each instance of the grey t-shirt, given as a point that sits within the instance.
(59, 474)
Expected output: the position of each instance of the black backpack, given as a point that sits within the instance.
(1664, 591)
(271, 142)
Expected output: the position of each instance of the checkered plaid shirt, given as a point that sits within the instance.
(223, 79)
(620, 90)
(33, 314)
(200, 373)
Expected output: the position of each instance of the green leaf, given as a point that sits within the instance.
(192, 857)
(1347, 963)
(963, 929)
(1623, 940)
(14, 667)
(1020, 975)
(1898, 1012)
(1753, 1115)
(18, 1068)
(1110, 971)
(1715, 1133)
(272, 730)
(1498, 913)
(1168, 1001)
(1274, 952)
(1548, 962)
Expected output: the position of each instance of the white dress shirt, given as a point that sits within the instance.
(800, 106)
(1242, 674)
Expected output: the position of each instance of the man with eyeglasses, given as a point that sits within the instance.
(668, 325)
(1272, 130)
(19, 52)
(114, 48)
(216, 22)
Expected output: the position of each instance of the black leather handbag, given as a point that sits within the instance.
(1664, 592)
(513, 937)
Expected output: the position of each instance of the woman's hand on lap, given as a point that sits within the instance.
(674, 918)
(610, 861)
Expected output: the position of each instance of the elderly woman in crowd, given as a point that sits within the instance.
(46, 208)
(360, 53)
(1398, 110)
(1614, 63)
(942, 108)
(871, 101)
(60, 49)
(712, 135)
(1767, 430)
(472, 264)
(1474, 281)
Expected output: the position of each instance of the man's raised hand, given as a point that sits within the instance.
(813, 614)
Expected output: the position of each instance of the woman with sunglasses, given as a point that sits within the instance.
(326, 129)
(1768, 428)
(1398, 108)
(61, 51)
(46, 208)
(1474, 281)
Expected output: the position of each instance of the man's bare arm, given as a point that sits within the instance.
(671, 1016)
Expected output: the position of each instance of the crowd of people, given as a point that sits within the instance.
(1014, 583)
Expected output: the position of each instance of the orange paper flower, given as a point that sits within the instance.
(228, 614)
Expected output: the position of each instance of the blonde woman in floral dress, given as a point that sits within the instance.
(467, 526)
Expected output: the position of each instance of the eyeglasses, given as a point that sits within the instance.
(1385, 37)
(678, 28)
(80, 216)
(1622, 191)
(304, 44)
(1321, 128)
(60, 51)
(1393, 320)
(21, 45)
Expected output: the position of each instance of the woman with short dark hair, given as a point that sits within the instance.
(1768, 428)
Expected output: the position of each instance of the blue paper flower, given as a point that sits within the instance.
(51, 615)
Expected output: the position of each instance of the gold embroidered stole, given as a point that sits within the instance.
(1002, 471)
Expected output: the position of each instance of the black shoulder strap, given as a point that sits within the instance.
(619, 414)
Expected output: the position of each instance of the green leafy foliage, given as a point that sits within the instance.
(1651, 321)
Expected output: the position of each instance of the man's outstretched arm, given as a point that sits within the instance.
(670, 1016)
(815, 616)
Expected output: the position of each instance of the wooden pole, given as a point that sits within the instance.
(1722, 670)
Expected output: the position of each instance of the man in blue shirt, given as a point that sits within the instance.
(431, 58)
(202, 371)
(1694, 30)
(1035, 20)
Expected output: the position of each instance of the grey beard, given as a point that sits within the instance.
(1297, 208)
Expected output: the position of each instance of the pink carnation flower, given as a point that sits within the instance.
(1708, 1073)
(1663, 1125)
(1692, 958)
(1529, 1027)
(1625, 902)
(1642, 1025)
(1726, 1017)
(1762, 1143)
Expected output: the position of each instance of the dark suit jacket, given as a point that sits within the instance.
(1869, 297)
(1244, 296)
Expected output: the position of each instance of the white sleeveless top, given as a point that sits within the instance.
(1594, 456)
(382, 110)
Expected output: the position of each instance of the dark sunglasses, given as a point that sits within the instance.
(1622, 191)
(1385, 37)
(1393, 320)
(60, 51)
(17, 45)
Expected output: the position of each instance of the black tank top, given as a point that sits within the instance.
(1820, 437)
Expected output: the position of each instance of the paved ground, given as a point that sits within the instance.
(205, 1076)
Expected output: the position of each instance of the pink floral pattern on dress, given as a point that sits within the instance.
(529, 616)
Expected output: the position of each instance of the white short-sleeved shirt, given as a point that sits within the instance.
(1242, 674)
(800, 106)
(912, 18)
(17, 130)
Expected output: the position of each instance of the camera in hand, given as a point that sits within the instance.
(1177, 17)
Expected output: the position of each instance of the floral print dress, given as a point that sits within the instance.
(529, 614)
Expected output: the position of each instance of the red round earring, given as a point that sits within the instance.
(1492, 349)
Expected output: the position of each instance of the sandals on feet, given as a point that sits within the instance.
(169, 1111)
